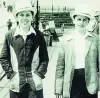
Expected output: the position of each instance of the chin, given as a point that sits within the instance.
(26, 25)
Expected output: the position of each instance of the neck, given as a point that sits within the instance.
(81, 31)
(24, 29)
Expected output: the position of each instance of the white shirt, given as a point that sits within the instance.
(79, 51)
(24, 35)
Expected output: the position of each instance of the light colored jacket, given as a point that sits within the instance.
(66, 65)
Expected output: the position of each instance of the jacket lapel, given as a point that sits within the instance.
(71, 48)
(70, 44)
(88, 42)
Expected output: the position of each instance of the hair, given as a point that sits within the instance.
(30, 11)
(76, 15)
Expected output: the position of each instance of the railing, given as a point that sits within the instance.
(2, 73)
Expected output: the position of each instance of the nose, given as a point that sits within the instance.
(24, 17)
(81, 21)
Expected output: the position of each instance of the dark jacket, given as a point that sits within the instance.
(24, 62)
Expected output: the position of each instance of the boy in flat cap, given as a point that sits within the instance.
(78, 60)
(24, 56)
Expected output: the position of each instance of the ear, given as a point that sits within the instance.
(73, 21)
(16, 18)
(32, 18)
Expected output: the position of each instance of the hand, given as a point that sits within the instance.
(58, 95)
(13, 74)
(10, 75)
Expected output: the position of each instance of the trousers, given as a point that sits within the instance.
(27, 93)
(79, 89)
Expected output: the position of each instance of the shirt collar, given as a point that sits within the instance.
(88, 34)
(72, 35)
(19, 32)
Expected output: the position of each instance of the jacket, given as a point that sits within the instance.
(66, 65)
(24, 61)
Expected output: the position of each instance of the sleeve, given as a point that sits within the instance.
(43, 58)
(60, 68)
(91, 27)
(5, 59)
(99, 61)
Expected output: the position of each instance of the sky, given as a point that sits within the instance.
(92, 3)
(48, 3)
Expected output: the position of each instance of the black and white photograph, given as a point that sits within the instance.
(49, 49)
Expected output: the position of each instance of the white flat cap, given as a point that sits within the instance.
(82, 10)
(22, 5)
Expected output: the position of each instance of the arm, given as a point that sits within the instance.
(59, 76)
(99, 61)
(5, 59)
(43, 58)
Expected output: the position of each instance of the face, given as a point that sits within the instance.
(81, 21)
(97, 18)
(24, 18)
(52, 30)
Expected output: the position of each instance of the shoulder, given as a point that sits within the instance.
(69, 36)
(65, 39)
(39, 36)
(96, 36)
(10, 33)
(38, 32)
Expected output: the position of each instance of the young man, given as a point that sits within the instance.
(97, 16)
(93, 25)
(24, 56)
(78, 60)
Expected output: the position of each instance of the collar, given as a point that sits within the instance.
(88, 34)
(72, 35)
(19, 32)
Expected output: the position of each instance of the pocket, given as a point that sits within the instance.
(14, 83)
(38, 81)
(12, 75)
